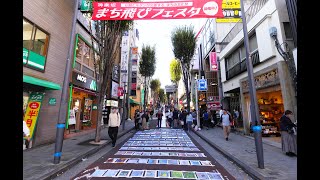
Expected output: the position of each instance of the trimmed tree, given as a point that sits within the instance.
(184, 45)
(155, 87)
(107, 48)
(147, 66)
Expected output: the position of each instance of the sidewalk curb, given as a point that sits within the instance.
(78, 159)
(253, 173)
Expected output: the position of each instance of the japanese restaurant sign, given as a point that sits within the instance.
(157, 10)
(32, 111)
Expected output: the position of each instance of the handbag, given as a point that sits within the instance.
(290, 130)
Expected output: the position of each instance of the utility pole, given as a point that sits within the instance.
(64, 96)
(197, 104)
(254, 111)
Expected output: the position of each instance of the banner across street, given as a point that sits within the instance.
(157, 10)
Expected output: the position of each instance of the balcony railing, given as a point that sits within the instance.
(242, 67)
(249, 14)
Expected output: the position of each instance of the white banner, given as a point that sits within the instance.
(114, 91)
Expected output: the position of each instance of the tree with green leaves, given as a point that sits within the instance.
(155, 87)
(175, 71)
(161, 95)
(184, 45)
(147, 66)
(106, 41)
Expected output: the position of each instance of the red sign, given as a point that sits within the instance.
(120, 91)
(133, 86)
(213, 61)
(157, 10)
(34, 105)
(214, 105)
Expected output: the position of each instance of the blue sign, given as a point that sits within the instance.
(202, 85)
(256, 128)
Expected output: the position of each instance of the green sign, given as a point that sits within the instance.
(33, 59)
(94, 107)
(52, 101)
(86, 6)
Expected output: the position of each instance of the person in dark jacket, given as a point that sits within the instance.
(175, 117)
(288, 137)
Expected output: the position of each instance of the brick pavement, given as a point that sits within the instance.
(38, 161)
(241, 150)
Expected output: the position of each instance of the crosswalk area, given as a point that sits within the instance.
(157, 153)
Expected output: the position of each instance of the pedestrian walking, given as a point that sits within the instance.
(214, 119)
(145, 120)
(105, 115)
(206, 119)
(236, 116)
(175, 116)
(288, 135)
(189, 120)
(226, 121)
(136, 119)
(114, 123)
(169, 123)
(26, 135)
(159, 116)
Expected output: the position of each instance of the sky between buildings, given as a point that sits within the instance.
(158, 33)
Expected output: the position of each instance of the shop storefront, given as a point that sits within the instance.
(273, 96)
(83, 103)
(37, 94)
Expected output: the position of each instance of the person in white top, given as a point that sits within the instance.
(226, 119)
(26, 131)
(114, 123)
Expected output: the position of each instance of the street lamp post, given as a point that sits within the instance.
(197, 105)
(64, 96)
(254, 111)
(124, 105)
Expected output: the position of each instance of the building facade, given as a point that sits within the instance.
(46, 36)
(275, 91)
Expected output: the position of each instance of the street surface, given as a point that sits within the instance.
(157, 153)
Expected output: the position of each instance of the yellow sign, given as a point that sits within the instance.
(228, 20)
(231, 11)
(231, 4)
(32, 112)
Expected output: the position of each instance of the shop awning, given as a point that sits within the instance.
(39, 82)
(134, 102)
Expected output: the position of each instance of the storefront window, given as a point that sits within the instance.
(87, 110)
(25, 101)
(39, 44)
(27, 34)
(35, 45)
(79, 50)
(86, 53)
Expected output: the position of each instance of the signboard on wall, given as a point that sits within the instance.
(84, 81)
(32, 111)
(213, 61)
(114, 90)
(231, 10)
(72, 117)
(115, 73)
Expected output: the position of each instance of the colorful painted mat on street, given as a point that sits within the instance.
(157, 153)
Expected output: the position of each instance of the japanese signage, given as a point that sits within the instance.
(114, 89)
(112, 103)
(86, 5)
(52, 101)
(265, 80)
(72, 117)
(134, 69)
(157, 10)
(202, 85)
(32, 111)
(120, 91)
(213, 61)
(115, 73)
(231, 11)
(84, 81)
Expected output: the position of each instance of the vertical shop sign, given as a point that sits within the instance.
(32, 111)
(213, 61)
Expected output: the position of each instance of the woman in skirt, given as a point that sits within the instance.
(288, 136)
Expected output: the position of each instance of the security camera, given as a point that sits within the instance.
(273, 31)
